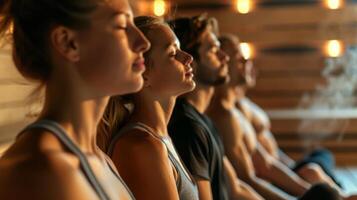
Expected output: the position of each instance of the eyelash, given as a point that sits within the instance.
(173, 54)
(121, 27)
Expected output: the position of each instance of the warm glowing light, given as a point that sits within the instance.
(247, 50)
(11, 29)
(333, 4)
(334, 48)
(159, 7)
(244, 6)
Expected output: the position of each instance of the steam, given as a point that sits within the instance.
(333, 101)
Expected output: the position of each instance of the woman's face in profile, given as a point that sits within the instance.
(111, 50)
(170, 71)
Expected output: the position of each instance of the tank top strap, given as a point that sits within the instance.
(61, 134)
(115, 172)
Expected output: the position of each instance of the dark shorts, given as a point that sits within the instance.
(321, 191)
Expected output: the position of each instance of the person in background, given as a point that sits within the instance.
(139, 143)
(241, 145)
(192, 132)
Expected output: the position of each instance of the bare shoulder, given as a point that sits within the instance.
(39, 175)
(219, 113)
(228, 123)
(140, 145)
(260, 118)
(142, 159)
(255, 108)
(36, 167)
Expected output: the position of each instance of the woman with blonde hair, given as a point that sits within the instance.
(139, 143)
(82, 52)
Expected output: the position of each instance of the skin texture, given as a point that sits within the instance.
(142, 159)
(239, 137)
(38, 160)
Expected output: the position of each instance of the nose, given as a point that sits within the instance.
(223, 56)
(141, 44)
(186, 58)
(250, 67)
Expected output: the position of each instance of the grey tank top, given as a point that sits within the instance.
(186, 188)
(61, 134)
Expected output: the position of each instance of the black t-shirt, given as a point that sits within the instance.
(198, 143)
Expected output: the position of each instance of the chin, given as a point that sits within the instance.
(221, 80)
(187, 87)
(133, 86)
(192, 85)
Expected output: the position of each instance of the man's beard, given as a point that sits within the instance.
(216, 81)
(220, 80)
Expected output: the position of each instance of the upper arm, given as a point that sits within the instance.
(229, 128)
(231, 176)
(235, 147)
(262, 160)
(267, 140)
(145, 167)
(204, 190)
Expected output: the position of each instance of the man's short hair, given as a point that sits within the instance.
(189, 31)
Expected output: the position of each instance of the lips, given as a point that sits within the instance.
(189, 72)
(139, 64)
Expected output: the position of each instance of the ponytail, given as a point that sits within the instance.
(115, 116)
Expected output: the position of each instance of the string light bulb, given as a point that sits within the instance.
(244, 6)
(247, 50)
(159, 7)
(334, 48)
(333, 4)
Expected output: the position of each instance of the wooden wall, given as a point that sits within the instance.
(15, 106)
(288, 37)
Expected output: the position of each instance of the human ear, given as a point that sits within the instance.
(64, 41)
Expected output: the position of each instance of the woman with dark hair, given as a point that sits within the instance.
(82, 52)
(139, 143)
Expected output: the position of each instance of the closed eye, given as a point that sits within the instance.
(172, 52)
(121, 27)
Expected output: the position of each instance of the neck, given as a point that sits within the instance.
(241, 92)
(201, 97)
(154, 112)
(76, 109)
(225, 96)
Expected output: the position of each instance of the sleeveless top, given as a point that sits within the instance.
(186, 188)
(57, 130)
